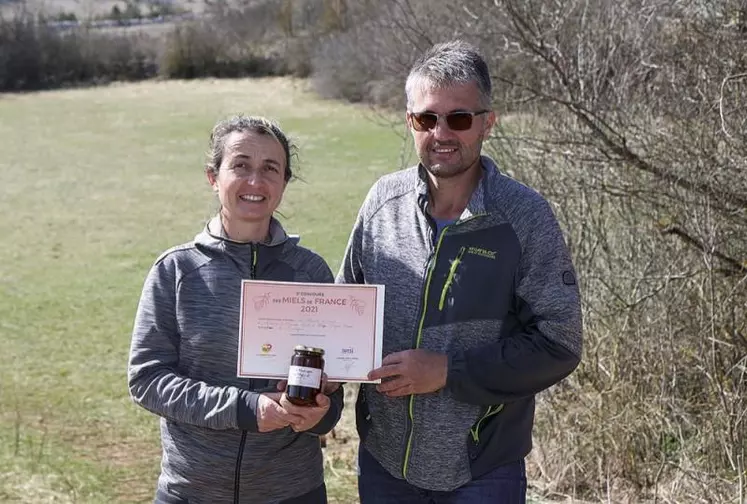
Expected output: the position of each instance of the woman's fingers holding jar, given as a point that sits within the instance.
(323, 402)
(271, 415)
(268, 418)
(309, 415)
(291, 408)
(275, 396)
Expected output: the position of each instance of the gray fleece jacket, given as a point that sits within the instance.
(182, 367)
(496, 293)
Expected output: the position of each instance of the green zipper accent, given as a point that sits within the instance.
(253, 267)
(475, 431)
(417, 343)
(450, 278)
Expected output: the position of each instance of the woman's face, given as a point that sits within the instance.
(251, 178)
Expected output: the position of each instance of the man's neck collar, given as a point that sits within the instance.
(448, 198)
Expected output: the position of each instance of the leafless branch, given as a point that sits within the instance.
(736, 267)
(721, 99)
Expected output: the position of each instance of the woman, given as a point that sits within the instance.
(227, 439)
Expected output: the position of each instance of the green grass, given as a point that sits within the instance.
(96, 183)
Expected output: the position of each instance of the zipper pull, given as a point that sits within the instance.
(253, 268)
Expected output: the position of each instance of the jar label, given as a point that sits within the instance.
(303, 376)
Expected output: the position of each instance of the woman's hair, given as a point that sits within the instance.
(248, 124)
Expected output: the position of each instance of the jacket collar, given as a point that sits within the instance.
(278, 236)
(248, 257)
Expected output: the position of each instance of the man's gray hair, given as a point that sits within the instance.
(448, 64)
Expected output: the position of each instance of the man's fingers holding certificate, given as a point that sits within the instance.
(415, 371)
(396, 387)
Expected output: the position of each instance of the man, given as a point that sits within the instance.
(482, 307)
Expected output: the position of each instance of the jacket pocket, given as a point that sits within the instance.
(362, 415)
(475, 430)
(164, 497)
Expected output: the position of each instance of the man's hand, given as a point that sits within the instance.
(327, 387)
(271, 415)
(306, 417)
(415, 371)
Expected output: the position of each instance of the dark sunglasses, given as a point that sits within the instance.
(457, 121)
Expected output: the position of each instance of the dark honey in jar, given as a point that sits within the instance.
(305, 375)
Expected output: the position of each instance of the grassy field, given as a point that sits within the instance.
(96, 183)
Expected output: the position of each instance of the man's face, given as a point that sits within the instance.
(445, 152)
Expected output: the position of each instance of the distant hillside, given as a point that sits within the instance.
(90, 9)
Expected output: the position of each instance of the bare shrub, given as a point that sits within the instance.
(630, 117)
(244, 38)
(292, 56)
(277, 30)
(340, 71)
(202, 49)
(34, 55)
(641, 145)
(368, 61)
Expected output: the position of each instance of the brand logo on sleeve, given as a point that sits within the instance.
(569, 278)
(487, 254)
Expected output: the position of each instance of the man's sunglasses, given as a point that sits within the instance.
(457, 121)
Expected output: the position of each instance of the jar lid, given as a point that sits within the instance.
(304, 348)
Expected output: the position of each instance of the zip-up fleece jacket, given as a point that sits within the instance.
(183, 364)
(496, 293)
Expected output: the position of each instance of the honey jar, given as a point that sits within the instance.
(305, 375)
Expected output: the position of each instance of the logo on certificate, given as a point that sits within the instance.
(266, 348)
(357, 305)
(262, 301)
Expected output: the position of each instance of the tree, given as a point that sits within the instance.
(629, 116)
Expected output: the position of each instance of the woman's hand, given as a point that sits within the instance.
(306, 417)
(271, 415)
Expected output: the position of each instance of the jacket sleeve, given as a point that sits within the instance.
(323, 274)
(328, 422)
(540, 340)
(154, 378)
(351, 269)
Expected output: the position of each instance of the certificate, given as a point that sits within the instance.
(345, 320)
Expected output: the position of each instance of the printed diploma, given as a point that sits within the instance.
(345, 320)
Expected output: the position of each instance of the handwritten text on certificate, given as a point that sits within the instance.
(344, 320)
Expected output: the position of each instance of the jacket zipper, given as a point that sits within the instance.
(431, 265)
(242, 443)
(475, 431)
(450, 278)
